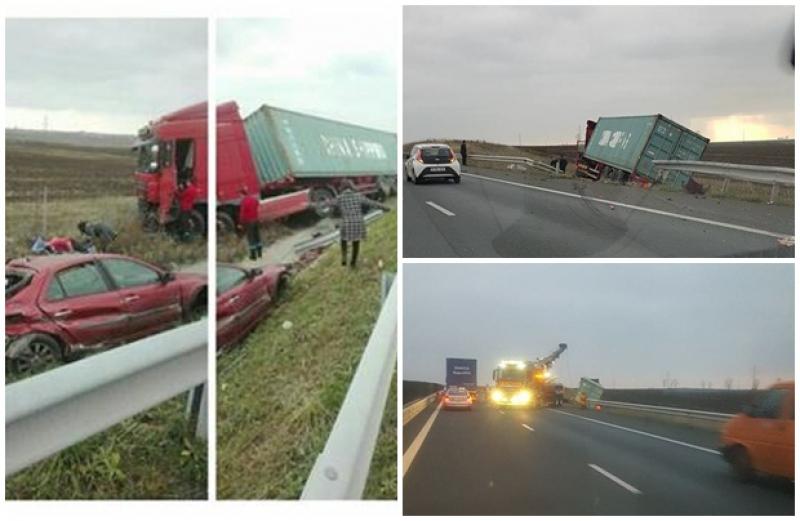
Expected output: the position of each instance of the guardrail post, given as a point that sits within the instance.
(725, 183)
(197, 411)
(773, 193)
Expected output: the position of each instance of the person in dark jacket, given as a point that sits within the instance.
(353, 229)
(248, 219)
(101, 234)
(463, 153)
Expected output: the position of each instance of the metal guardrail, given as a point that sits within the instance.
(330, 238)
(772, 175)
(411, 410)
(55, 410)
(670, 411)
(550, 169)
(341, 470)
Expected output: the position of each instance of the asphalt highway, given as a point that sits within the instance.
(486, 217)
(571, 462)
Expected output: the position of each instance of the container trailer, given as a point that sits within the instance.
(624, 148)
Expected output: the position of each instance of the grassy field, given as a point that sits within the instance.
(83, 184)
(149, 456)
(278, 393)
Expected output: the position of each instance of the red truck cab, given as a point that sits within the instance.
(171, 150)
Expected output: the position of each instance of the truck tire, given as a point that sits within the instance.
(150, 222)
(37, 353)
(322, 199)
(225, 223)
(198, 220)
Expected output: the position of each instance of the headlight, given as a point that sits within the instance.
(498, 395)
(521, 398)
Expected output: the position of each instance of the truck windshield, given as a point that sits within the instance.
(512, 373)
(148, 156)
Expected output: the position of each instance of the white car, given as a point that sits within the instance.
(432, 161)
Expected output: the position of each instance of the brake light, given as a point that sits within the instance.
(419, 155)
(452, 155)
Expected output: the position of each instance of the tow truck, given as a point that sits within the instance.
(523, 384)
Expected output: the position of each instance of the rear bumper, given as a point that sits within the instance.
(438, 172)
(456, 405)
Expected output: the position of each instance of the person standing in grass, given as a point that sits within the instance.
(353, 229)
(187, 197)
(248, 220)
(463, 152)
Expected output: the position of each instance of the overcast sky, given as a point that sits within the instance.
(341, 66)
(626, 324)
(536, 73)
(102, 75)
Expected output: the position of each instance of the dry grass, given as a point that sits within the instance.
(279, 393)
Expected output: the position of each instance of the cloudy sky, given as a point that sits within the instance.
(627, 324)
(102, 75)
(341, 66)
(536, 73)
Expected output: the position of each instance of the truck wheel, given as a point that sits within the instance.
(150, 222)
(322, 199)
(40, 353)
(198, 223)
(225, 223)
(740, 464)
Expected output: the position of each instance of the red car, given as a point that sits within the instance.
(58, 305)
(243, 298)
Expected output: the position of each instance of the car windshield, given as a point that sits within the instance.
(512, 373)
(16, 280)
(229, 277)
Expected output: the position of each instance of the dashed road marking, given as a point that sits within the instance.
(528, 427)
(441, 209)
(630, 488)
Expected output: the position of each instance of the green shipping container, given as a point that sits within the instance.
(632, 143)
(285, 143)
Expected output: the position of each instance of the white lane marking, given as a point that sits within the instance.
(437, 207)
(528, 427)
(411, 453)
(641, 208)
(502, 412)
(615, 479)
(662, 438)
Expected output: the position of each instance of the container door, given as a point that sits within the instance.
(663, 142)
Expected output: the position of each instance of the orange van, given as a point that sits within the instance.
(761, 438)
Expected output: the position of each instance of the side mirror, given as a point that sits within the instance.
(167, 276)
(253, 273)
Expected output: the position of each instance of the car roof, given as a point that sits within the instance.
(789, 384)
(430, 145)
(56, 262)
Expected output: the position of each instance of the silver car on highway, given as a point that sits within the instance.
(432, 161)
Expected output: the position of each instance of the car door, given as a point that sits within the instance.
(152, 304)
(255, 300)
(229, 304)
(87, 308)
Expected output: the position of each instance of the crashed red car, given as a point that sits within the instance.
(59, 305)
(243, 298)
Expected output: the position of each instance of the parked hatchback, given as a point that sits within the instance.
(244, 297)
(432, 161)
(457, 398)
(59, 305)
(761, 438)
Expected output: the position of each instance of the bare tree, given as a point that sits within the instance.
(728, 383)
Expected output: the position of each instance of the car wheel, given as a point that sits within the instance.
(740, 464)
(457, 180)
(415, 180)
(40, 353)
(199, 307)
(150, 223)
(283, 287)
